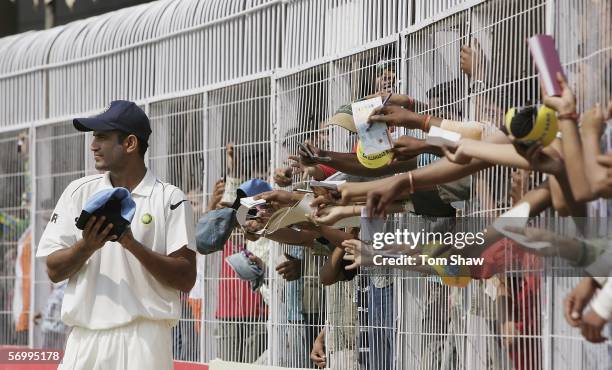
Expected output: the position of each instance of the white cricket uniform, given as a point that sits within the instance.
(120, 314)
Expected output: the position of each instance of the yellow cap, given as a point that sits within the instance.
(375, 160)
(457, 276)
(542, 128)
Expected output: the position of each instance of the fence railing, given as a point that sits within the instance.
(263, 76)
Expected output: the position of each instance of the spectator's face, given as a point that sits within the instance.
(385, 82)
(196, 200)
(108, 152)
(449, 111)
(322, 138)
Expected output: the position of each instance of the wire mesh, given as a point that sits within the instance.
(234, 131)
(15, 238)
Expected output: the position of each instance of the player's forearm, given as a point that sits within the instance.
(64, 263)
(175, 271)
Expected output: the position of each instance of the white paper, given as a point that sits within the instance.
(374, 138)
(517, 217)
(440, 137)
(249, 202)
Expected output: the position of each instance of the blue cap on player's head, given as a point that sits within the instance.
(121, 115)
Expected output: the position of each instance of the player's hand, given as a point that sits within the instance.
(94, 237)
(126, 238)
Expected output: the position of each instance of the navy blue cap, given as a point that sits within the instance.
(120, 115)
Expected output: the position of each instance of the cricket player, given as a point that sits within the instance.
(122, 297)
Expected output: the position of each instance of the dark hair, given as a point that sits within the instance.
(142, 145)
(522, 122)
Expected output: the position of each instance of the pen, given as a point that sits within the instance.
(387, 99)
(383, 104)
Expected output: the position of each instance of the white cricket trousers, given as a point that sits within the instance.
(142, 344)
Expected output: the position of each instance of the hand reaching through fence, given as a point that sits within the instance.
(577, 300)
(317, 354)
(291, 269)
(282, 176)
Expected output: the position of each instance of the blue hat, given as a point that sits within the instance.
(245, 268)
(213, 230)
(250, 188)
(120, 115)
(115, 204)
(253, 187)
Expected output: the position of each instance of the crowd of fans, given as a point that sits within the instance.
(328, 245)
(427, 181)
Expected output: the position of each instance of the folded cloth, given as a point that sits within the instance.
(245, 268)
(115, 204)
(213, 230)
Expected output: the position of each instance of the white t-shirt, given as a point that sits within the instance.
(113, 288)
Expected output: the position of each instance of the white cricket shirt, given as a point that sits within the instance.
(113, 288)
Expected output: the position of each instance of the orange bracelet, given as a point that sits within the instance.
(426, 124)
(410, 182)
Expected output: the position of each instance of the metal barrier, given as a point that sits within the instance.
(263, 75)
